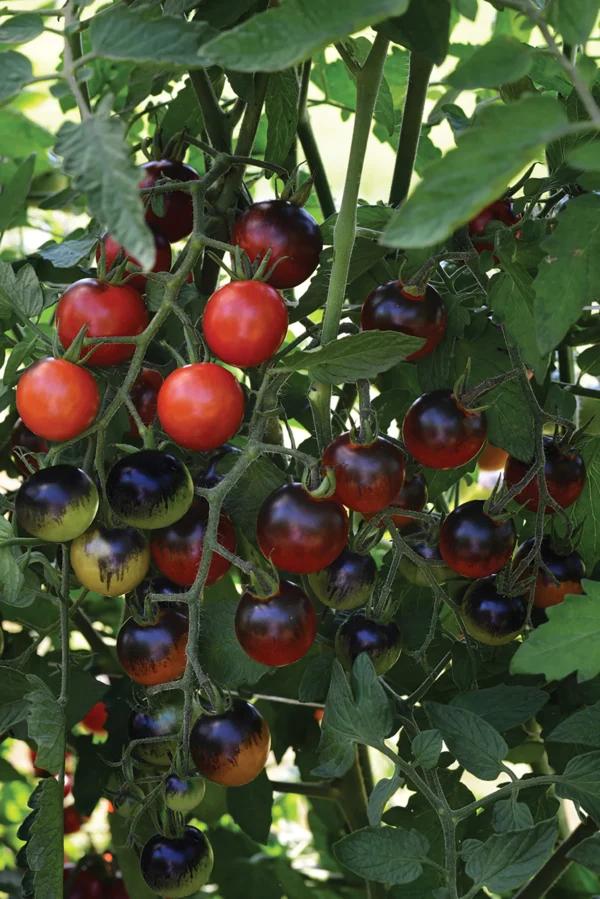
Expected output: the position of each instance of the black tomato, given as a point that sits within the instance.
(232, 748)
(164, 719)
(178, 219)
(440, 434)
(279, 630)
(28, 443)
(183, 794)
(347, 583)
(177, 866)
(154, 653)
(565, 478)
(57, 503)
(359, 634)
(389, 308)
(110, 561)
(568, 569)
(149, 489)
(289, 231)
(298, 533)
(489, 616)
(473, 544)
(367, 477)
(413, 573)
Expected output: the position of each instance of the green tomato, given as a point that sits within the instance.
(183, 794)
(57, 504)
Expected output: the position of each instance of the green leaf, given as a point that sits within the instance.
(574, 19)
(472, 741)
(426, 748)
(588, 853)
(44, 848)
(381, 795)
(502, 706)
(21, 29)
(18, 355)
(351, 358)
(586, 157)
(13, 707)
(568, 642)
(424, 28)
(46, 725)
(586, 507)
(467, 8)
(251, 807)
(12, 580)
(112, 190)
(508, 816)
(8, 774)
(582, 727)
(15, 193)
(316, 678)
(69, 252)
(16, 72)
(501, 142)
(580, 782)
(506, 861)
(19, 137)
(222, 655)
(281, 107)
(126, 34)
(503, 59)
(384, 854)
(307, 27)
(250, 491)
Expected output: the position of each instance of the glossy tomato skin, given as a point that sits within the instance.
(347, 582)
(565, 478)
(231, 749)
(413, 496)
(85, 885)
(56, 399)
(177, 549)
(110, 561)
(367, 477)
(389, 308)
(201, 406)
(489, 616)
(177, 866)
(245, 323)
(473, 544)
(287, 230)
(429, 553)
(440, 434)
(178, 219)
(149, 489)
(154, 653)
(298, 533)
(22, 437)
(499, 211)
(162, 258)
(57, 503)
(164, 719)
(183, 794)
(109, 311)
(359, 634)
(279, 630)
(96, 718)
(144, 395)
(568, 569)
(493, 458)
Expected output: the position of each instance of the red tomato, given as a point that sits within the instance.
(367, 477)
(565, 478)
(22, 437)
(568, 569)
(178, 219)
(245, 323)
(475, 545)
(278, 630)
(413, 496)
(144, 395)
(440, 434)
(201, 406)
(162, 259)
(109, 311)
(85, 886)
(56, 399)
(500, 211)
(71, 819)
(389, 308)
(96, 718)
(116, 890)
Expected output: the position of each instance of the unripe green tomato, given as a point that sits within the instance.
(57, 503)
(110, 561)
(164, 719)
(414, 574)
(347, 583)
(127, 801)
(183, 794)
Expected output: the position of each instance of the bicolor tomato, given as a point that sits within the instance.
(367, 476)
(565, 478)
(347, 582)
(154, 653)
(278, 630)
(491, 617)
(390, 308)
(231, 748)
(177, 218)
(110, 561)
(568, 569)
(144, 395)
(57, 503)
(26, 443)
(474, 544)
(381, 641)
(440, 434)
(149, 489)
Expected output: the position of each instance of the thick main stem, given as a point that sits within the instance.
(410, 132)
(215, 120)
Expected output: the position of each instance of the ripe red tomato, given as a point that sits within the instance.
(289, 231)
(86, 884)
(144, 395)
(440, 434)
(162, 259)
(380, 641)
(245, 323)
(232, 748)
(178, 219)
(499, 211)
(96, 718)
(22, 437)
(367, 477)
(279, 630)
(492, 458)
(389, 308)
(109, 311)
(154, 653)
(565, 478)
(177, 549)
(473, 544)
(56, 399)
(568, 569)
(412, 496)
(201, 406)
(491, 617)
(71, 819)
(298, 533)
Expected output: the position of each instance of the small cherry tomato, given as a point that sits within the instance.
(177, 549)
(473, 544)
(57, 503)
(245, 323)
(110, 561)
(413, 497)
(149, 489)
(56, 399)
(367, 477)
(154, 653)
(359, 634)
(162, 258)
(298, 533)
(231, 748)
(347, 582)
(489, 616)
(289, 231)
(127, 800)
(440, 434)
(158, 585)
(493, 458)
(279, 630)
(568, 569)
(28, 443)
(96, 718)
(178, 218)
(565, 478)
(183, 794)
(389, 308)
(177, 866)
(163, 719)
(201, 406)
(144, 395)
(499, 211)
(108, 311)
(86, 885)
(71, 819)
(429, 553)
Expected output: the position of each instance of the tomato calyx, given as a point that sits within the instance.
(295, 193)
(318, 489)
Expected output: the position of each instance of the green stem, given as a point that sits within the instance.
(215, 120)
(311, 148)
(556, 865)
(326, 789)
(410, 133)
(566, 364)
(592, 392)
(71, 55)
(503, 793)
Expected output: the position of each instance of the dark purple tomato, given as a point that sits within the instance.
(489, 616)
(232, 748)
(413, 496)
(279, 630)
(28, 443)
(565, 478)
(149, 489)
(347, 583)
(568, 569)
(177, 866)
(144, 395)
(163, 719)
(361, 634)
(367, 476)
(154, 653)
(389, 308)
(413, 573)
(474, 544)
(178, 219)
(440, 434)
